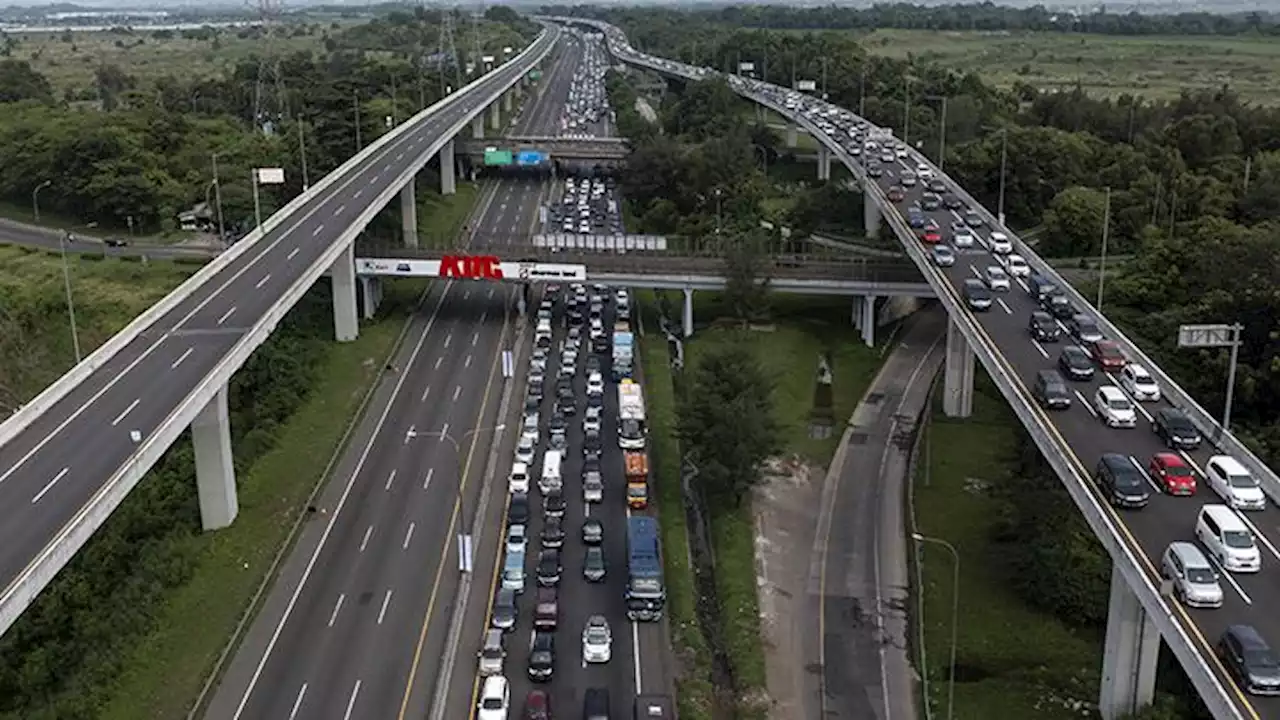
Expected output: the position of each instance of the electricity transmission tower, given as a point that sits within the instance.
(475, 40)
(447, 51)
(269, 101)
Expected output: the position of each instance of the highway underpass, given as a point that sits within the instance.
(1141, 611)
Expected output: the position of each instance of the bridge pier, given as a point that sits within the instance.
(957, 390)
(824, 163)
(370, 294)
(506, 100)
(448, 180)
(345, 325)
(477, 127)
(793, 135)
(1130, 655)
(870, 213)
(495, 116)
(409, 213)
(687, 315)
(215, 467)
(864, 317)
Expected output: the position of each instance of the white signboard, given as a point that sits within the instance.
(270, 176)
(507, 50)
(746, 67)
(806, 85)
(1206, 336)
(487, 58)
(518, 271)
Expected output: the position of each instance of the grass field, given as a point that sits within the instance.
(441, 217)
(1155, 67)
(1011, 661)
(168, 668)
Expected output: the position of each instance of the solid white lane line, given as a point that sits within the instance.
(186, 354)
(390, 479)
(635, 655)
(126, 411)
(427, 483)
(364, 541)
(226, 315)
(386, 600)
(319, 229)
(61, 474)
(292, 253)
(263, 281)
(427, 391)
(407, 537)
(333, 616)
(351, 704)
(456, 392)
(298, 703)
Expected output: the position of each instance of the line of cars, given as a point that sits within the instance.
(588, 103)
(588, 206)
(551, 382)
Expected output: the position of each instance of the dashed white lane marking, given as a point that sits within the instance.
(390, 479)
(386, 600)
(318, 230)
(186, 354)
(61, 474)
(339, 210)
(408, 536)
(263, 281)
(364, 541)
(226, 315)
(466, 362)
(298, 702)
(126, 411)
(438, 361)
(351, 704)
(427, 391)
(444, 432)
(475, 338)
(448, 338)
(292, 253)
(456, 392)
(426, 483)
(333, 616)
(356, 195)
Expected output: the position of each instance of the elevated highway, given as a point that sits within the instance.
(1141, 610)
(611, 150)
(71, 455)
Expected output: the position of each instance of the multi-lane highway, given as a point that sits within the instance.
(356, 626)
(53, 467)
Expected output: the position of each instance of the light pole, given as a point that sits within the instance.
(302, 152)
(35, 199)
(1004, 157)
(1102, 261)
(718, 194)
(906, 109)
(955, 615)
(217, 197)
(942, 130)
(464, 537)
(862, 93)
(71, 303)
(355, 101)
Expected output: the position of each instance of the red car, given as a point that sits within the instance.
(537, 705)
(931, 235)
(896, 194)
(1173, 474)
(1108, 354)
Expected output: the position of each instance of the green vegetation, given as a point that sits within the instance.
(164, 671)
(1012, 658)
(442, 217)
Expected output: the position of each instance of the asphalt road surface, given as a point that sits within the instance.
(53, 467)
(19, 233)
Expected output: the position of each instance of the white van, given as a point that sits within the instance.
(1228, 539)
(519, 480)
(1234, 484)
(552, 462)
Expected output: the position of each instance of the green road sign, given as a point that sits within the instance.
(496, 156)
(535, 74)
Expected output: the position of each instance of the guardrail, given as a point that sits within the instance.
(1055, 448)
(77, 531)
(48, 397)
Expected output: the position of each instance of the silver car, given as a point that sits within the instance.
(492, 654)
(1195, 581)
(943, 256)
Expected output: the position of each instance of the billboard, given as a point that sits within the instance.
(497, 157)
(530, 157)
(806, 85)
(269, 176)
(472, 267)
(746, 67)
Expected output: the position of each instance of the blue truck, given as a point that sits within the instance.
(623, 354)
(646, 593)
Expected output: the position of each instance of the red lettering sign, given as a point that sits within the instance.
(471, 267)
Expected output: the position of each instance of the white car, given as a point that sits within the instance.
(924, 172)
(901, 150)
(1114, 407)
(997, 278)
(525, 448)
(539, 360)
(1018, 266)
(962, 240)
(591, 424)
(495, 699)
(531, 423)
(597, 640)
(1000, 243)
(517, 539)
(1139, 383)
(518, 480)
(595, 384)
(1233, 483)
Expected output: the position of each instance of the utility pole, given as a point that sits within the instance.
(269, 102)
(906, 109)
(862, 93)
(1248, 167)
(824, 77)
(302, 153)
(1102, 262)
(1004, 158)
(217, 199)
(355, 101)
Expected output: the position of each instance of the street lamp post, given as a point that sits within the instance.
(718, 194)
(71, 303)
(1102, 261)
(1004, 156)
(942, 130)
(460, 498)
(35, 199)
(955, 615)
(217, 198)
(302, 152)
(906, 109)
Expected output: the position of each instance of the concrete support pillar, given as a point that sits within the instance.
(855, 313)
(477, 127)
(506, 100)
(793, 135)
(215, 469)
(495, 116)
(345, 325)
(688, 312)
(868, 324)
(448, 168)
(870, 214)
(824, 163)
(409, 213)
(1129, 657)
(957, 391)
(370, 295)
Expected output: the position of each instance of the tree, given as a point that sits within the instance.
(1073, 223)
(18, 81)
(746, 289)
(727, 421)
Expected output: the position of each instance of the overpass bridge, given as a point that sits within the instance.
(610, 151)
(71, 455)
(1142, 611)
